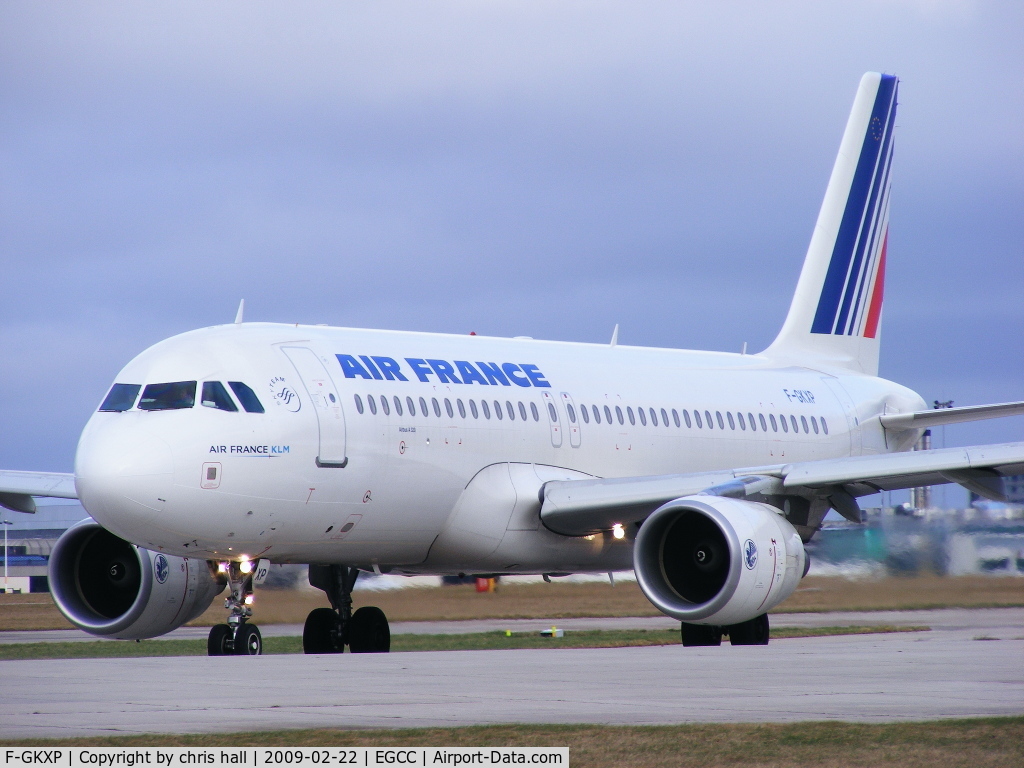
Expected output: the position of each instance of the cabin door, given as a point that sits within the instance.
(323, 396)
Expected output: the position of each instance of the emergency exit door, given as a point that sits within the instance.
(323, 396)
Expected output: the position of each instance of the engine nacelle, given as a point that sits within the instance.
(109, 587)
(717, 560)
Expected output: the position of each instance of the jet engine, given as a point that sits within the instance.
(109, 587)
(717, 560)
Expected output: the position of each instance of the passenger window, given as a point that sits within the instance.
(398, 405)
(629, 413)
(814, 423)
(654, 418)
(359, 403)
(618, 415)
(743, 423)
(597, 414)
(448, 408)
(437, 407)
(121, 397)
(411, 406)
(643, 416)
(753, 424)
(423, 407)
(785, 424)
(803, 423)
(764, 427)
(168, 397)
(584, 414)
(552, 413)
(487, 409)
(522, 411)
(245, 396)
(370, 401)
(215, 396)
(721, 424)
(775, 427)
(664, 418)
(792, 420)
(707, 418)
(571, 411)
(384, 405)
(675, 417)
(533, 410)
(510, 410)
(497, 410)
(696, 417)
(686, 418)
(608, 415)
(462, 408)
(728, 415)
(473, 410)
(824, 426)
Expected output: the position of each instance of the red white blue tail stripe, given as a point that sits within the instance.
(851, 297)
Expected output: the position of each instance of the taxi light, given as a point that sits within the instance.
(618, 531)
(222, 567)
(245, 566)
(249, 599)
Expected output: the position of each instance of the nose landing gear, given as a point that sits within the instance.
(236, 638)
(329, 630)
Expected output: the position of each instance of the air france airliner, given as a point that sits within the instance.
(220, 451)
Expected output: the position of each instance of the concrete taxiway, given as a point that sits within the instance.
(968, 665)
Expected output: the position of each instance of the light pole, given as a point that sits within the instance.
(6, 524)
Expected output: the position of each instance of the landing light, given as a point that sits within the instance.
(245, 566)
(618, 531)
(248, 599)
(222, 567)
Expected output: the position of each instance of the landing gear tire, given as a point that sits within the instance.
(753, 632)
(701, 634)
(369, 632)
(322, 632)
(248, 641)
(219, 641)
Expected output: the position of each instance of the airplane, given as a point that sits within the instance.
(222, 450)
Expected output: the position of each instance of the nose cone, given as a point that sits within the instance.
(123, 474)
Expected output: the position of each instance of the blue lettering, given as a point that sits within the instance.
(535, 375)
(351, 367)
(469, 373)
(390, 368)
(493, 373)
(445, 372)
(371, 367)
(513, 373)
(419, 367)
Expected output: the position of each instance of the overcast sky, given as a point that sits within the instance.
(510, 168)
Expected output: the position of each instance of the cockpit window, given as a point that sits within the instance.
(168, 397)
(246, 397)
(215, 396)
(121, 397)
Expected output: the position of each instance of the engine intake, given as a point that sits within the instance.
(717, 560)
(109, 587)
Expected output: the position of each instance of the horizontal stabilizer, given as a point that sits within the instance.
(939, 416)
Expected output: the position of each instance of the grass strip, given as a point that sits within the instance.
(482, 641)
(979, 743)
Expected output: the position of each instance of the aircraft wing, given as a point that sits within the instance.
(18, 488)
(582, 507)
(935, 417)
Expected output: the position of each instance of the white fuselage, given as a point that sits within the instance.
(146, 475)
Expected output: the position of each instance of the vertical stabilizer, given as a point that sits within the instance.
(835, 316)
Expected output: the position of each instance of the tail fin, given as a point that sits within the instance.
(835, 314)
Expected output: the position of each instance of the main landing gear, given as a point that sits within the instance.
(237, 638)
(753, 632)
(329, 630)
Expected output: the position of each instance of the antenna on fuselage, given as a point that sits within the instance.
(240, 312)
(615, 335)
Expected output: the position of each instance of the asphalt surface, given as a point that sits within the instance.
(970, 664)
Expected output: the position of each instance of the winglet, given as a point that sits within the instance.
(834, 318)
(615, 336)
(241, 311)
